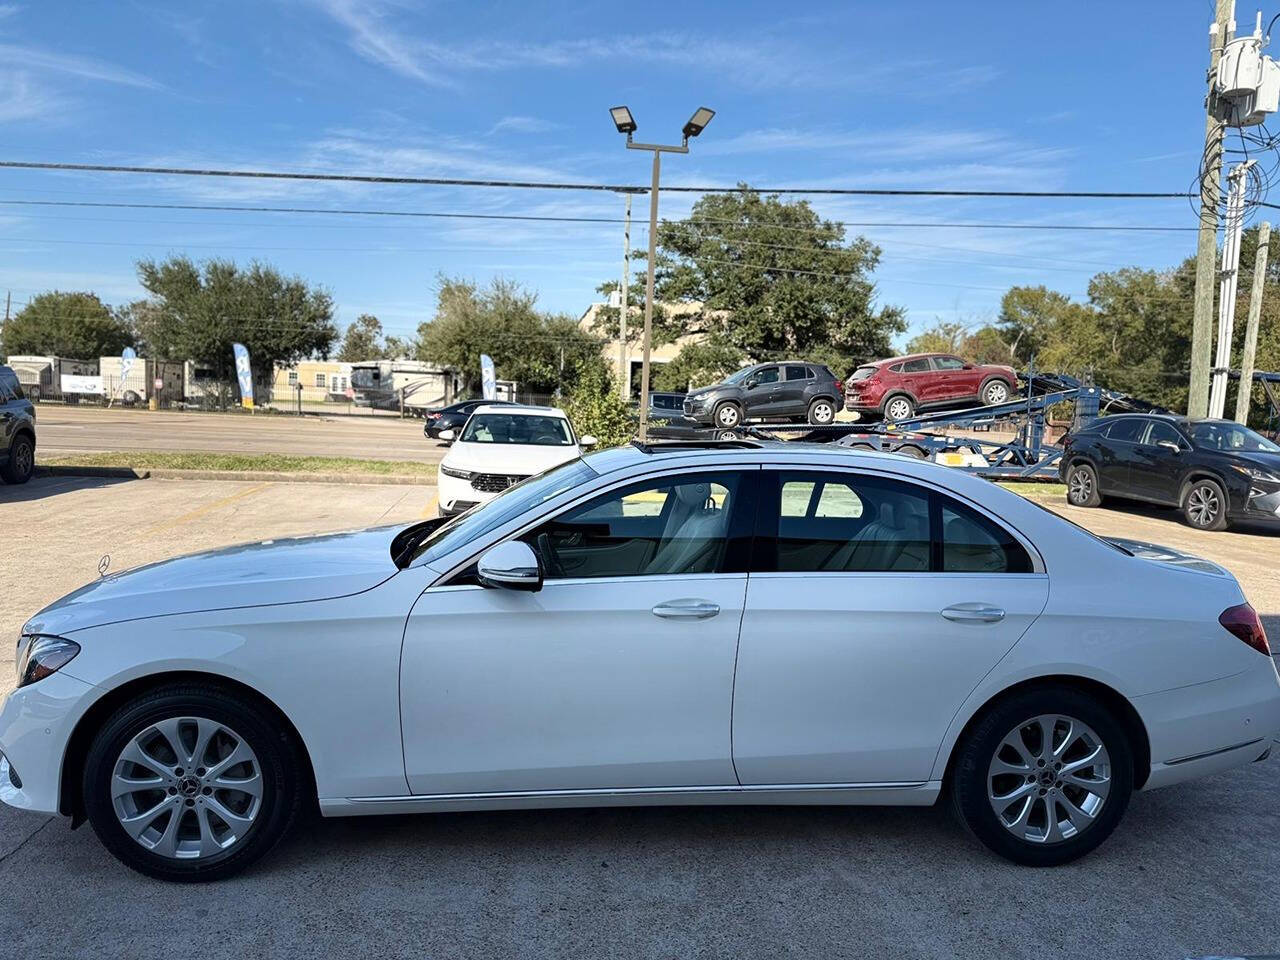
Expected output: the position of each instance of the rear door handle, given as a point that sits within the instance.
(687, 609)
(973, 613)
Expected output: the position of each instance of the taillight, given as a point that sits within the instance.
(839, 386)
(1243, 621)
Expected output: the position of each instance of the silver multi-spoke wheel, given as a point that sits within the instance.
(1080, 487)
(1203, 505)
(898, 409)
(996, 392)
(1049, 779)
(727, 416)
(187, 788)
(823, 412)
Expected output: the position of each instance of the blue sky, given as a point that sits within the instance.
(932, 94)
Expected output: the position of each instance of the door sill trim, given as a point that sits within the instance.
(921, 793)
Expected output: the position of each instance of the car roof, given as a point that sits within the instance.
(520, 410)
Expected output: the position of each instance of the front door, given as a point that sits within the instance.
(861, 638)
(617, 674)
(1156, 469)
(952, 381)
(762, 394)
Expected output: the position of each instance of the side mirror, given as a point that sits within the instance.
(587, 441)
(1169, 445)
(967, 366)
(511, 565)
(752, 383)
(445, 434)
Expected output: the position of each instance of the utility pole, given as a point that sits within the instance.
(624, 369)
(1244, 391)
(1207, 242)
(1228, 286)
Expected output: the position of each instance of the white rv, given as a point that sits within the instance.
(57, 378)
(383, 384)
(139, 384)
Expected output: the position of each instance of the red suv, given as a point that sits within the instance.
(898, 387)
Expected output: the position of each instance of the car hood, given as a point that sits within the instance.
(1168, 555)
(508, 458)
(248, 575)
(1260, 458)
(711, 386)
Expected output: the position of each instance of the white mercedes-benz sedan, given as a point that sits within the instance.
(730, 623)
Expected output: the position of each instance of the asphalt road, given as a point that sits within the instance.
(1191, 871)
(80, 429)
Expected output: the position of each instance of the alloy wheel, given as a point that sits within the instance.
(823, 412)
(727, 416)
(997, 393)
(1080, 486)
(898, 409)
(187, 788)
(23, 457)
(1049, 779)
(1203, 505)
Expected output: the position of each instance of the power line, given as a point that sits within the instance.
(610, 188)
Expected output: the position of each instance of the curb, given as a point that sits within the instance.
(136, 473)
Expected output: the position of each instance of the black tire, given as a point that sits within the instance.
(1082, 485)
(282, 779)
(822, 411)
(1204, 505)
(898, 407)
(726, 415)
(995, 391)
(22, 460)
(915, 453)
(979, 747)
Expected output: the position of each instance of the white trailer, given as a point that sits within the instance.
(139, 384)
(385, 384)
(57, 378)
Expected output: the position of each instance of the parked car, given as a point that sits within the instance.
(17, 430)
(664, 405)
(792, 390)
(899, 387)
(1215, 471)
(726, 623)
(501, 445)
(454, 416)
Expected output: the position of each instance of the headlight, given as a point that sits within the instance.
(1256, 473)
(40, 656)
(456, 473)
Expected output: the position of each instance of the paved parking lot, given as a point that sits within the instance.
(1193, 869)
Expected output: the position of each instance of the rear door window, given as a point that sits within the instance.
(919, 365)
(1126, 429)
(798, 372)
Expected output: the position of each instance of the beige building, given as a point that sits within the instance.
(612, 350)
(320, 380)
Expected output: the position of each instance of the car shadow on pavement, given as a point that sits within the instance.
(40, 487)
(1137, 508)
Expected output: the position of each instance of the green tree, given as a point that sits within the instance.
(1027, 314)
(595, 408)
(696, 365)
(945, 336)
(541, 352)
(983, 345)
(771, 279)
(363, 340)
(201, 310)
(76, 325)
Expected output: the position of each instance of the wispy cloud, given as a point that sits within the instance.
(8, 10)
(523, 125)
(22, 99)
(86, 68)
(372, 37)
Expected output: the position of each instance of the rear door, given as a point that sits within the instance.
(917, 378)
(1117, 448)
(792, 398)
(874, 607)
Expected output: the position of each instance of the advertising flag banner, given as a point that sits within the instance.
(487, 379)
(244, 373)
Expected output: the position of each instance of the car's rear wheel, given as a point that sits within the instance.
(191, 783)
(1204, 505)
(1044, 776)
(22, 460)
(727, 415)
(995, 391)
(1082, 486)
(822, 411)
(898, 408)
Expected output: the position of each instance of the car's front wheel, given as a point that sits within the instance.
(191, 783)
(1044, 776)
(995, 391)
(1204, 505)
(727, 415)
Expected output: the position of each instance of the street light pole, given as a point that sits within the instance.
(623, 120)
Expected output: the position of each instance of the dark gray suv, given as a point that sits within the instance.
(793, 390)
(17, 430)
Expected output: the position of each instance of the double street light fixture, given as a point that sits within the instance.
(626, 123)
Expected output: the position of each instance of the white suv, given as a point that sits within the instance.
(500, 446)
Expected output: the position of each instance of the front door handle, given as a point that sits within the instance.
(973, 613)
(687, 609)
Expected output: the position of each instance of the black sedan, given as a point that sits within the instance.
(1214, 471)
(454, 416)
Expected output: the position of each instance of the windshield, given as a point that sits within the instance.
(524, 429)
(739, 375)
(507, 505)
(863, 373)
(1230, 438)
